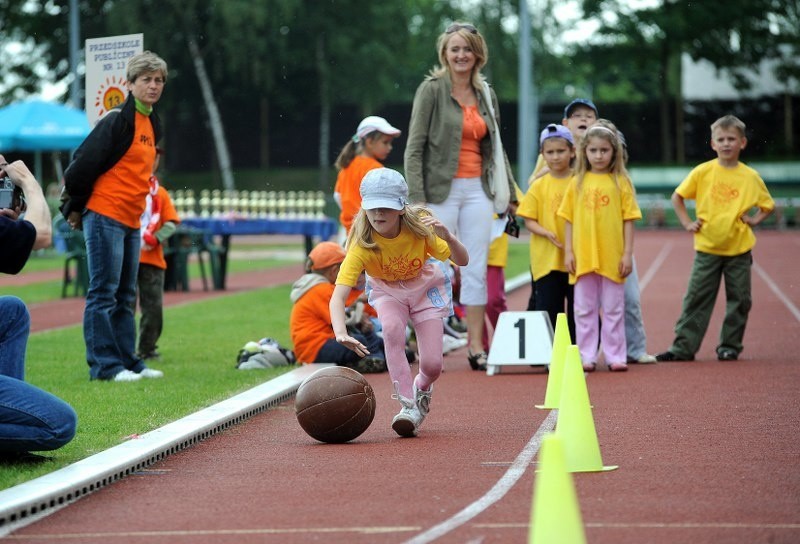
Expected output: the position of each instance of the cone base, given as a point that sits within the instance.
(545, 407)
(601, 469)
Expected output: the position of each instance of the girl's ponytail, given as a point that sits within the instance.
(347, 154)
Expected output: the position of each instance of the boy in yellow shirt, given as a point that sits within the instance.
(725, 190)
(539, 208)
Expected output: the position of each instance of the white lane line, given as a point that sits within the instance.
(498, 491)
(777, 290)
(654, 266)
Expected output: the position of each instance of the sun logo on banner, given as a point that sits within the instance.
(110, 95)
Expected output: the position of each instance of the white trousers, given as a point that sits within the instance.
(468, 213)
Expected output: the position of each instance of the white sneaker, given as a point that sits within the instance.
(423, 400)
(406, 422)
(450, 343)
(644, 359)
(127, 376)
(151, 373)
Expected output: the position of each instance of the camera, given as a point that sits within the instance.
(512, 227)
(10, 194)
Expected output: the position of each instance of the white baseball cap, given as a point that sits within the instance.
(373, 123)
(383, 188)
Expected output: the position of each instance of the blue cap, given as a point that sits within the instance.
(555, 131)
(580, 102)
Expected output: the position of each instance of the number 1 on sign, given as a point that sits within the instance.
(520, 324)
(521, 338)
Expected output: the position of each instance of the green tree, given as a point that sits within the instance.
(734, 35)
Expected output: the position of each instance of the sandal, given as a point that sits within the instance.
(477, 361)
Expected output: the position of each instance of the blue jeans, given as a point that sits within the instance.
(634, 323)
(109, 327)
(334, 352)
(30, 419)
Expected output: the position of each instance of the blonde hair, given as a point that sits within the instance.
(361, 231)
(143, 63)
(605, 130)
(476, 44)
(728, 122)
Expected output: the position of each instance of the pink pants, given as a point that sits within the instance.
(593, 293)
(426, 301)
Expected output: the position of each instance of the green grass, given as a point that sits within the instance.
(199, 348)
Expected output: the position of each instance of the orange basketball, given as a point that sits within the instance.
(335, 404)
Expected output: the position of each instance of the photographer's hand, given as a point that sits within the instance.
(37, 211)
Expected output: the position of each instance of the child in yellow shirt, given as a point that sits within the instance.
(539, 208)
(725, 190)
(600, 208)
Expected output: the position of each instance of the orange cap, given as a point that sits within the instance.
(326, 254)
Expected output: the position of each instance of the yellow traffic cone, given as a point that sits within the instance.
(555, 513)
(561, 341)
(575, 424)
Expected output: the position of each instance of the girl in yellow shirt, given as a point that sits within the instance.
(393, 243)
(599, 208)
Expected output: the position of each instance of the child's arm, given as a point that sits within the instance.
(757, 217)
(458, 253)
(683, 215)
(569, 255)
(626, 263)
(534, 226)
(336, 306)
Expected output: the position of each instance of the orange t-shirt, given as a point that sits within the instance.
(473, 131)
(348, 183)
(120, 192)
(155, 256)
(310, 322)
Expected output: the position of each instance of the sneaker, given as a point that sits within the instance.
(423, 400)
(644, 359)
(669, 357)
(370, 365)
(406, 422)
(727, 354)
(589, 367)
(150, 356)
(450, 343)
(127, 376)
(151, 373)
(618, 367)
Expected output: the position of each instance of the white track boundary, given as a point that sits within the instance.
(28, 502)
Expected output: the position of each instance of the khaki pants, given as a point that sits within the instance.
(701, 295)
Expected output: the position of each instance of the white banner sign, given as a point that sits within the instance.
(106, 60)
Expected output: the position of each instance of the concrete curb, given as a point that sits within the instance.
(26, 503)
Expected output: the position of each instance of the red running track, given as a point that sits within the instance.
(707, 451)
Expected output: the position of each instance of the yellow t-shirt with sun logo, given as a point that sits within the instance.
(723, 196)
(597, 213)
(397, 259)
(541, 204)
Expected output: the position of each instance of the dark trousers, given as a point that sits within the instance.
(707, 272)
(334, 352)
(553, 294)
(150, 285)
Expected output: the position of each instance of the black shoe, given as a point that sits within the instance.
(477, 361)
(727, 354)
(370, 365)
(669, 357)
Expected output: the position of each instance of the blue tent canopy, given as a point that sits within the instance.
(37, 125)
